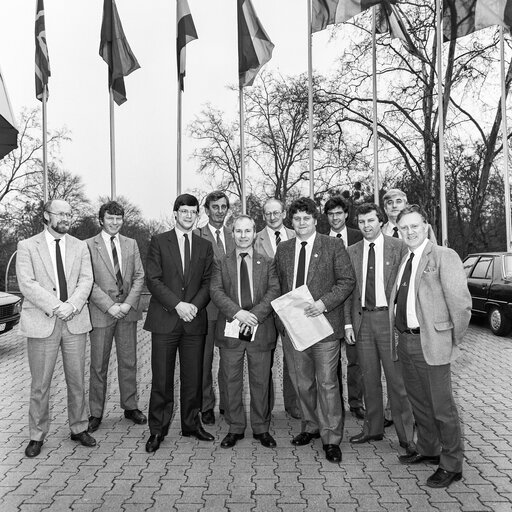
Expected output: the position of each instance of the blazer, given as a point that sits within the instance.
(394, 251)
(330, 276)
(36, 279)
(165, 281)
(224, 293)
(443, 304)
(262, 243)
(104, 289)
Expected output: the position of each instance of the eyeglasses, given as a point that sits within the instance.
(185, 213)
(272, 214)
(62, 215)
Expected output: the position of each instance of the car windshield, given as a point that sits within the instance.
(507, 267)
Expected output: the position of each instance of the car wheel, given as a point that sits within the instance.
(498, 322)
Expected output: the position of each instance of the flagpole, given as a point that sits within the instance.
(375, 112)
(504, 130)
(45, 145)
(112, 149)
(178, 149)
(310, 104)
(242, 151)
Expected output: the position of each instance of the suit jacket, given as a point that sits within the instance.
(394, 251)
(262, 243)
(165, 281)
(330, 276)
(224, 293)
(104, 290)
(36, 280)
(205, 233)
(443, 304)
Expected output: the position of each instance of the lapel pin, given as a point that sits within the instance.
(258, 262)
(316, 255)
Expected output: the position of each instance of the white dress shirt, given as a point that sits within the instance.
(106, 239)
(50, 242)
(309, 249)
(380, 292)
(181, 245)
(343, 233)
(388, 229)
(283, 235)
(213, 231)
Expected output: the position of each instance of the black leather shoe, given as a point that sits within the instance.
(208, 417)
(443, 478)
(358, 412)
(364, 438)
(153, 443)
(305, 438)
(84, 439)
(265, 439)
(33, 448)
(230, 440)
(136, 416)
(416, 458)
(94, 423)
(332, 452)
(387, 423)
(293, 412)
(200, 433)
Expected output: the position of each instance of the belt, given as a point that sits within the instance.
(416, 330)
(382, 308)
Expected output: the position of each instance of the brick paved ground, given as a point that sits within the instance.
(188, 475)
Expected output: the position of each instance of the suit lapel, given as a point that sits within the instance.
(123, 243)
(358, 253)
(421, 266)
(232, 272)
(194, 257)
(256, 278)
(315, 257)
(265, 242)
(290, 264)
(174, 249)
(103, 254)
(230, 243)
(388, 255)
(44, 253)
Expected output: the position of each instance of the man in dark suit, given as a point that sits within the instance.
(322, 263)
(433, 309)
(216, 207)
(178, 274)
(336, 209)
(114, 308)
(376, 260)
(243, 285)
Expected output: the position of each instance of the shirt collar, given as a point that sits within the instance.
(419, 250)
(179, 232)
(108, 237)
(343, 233)
(379, 241)
(310, 240)
(249, 251)
(50, 238)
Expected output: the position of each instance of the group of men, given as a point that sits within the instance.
(398, 300)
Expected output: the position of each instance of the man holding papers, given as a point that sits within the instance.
(322, 263)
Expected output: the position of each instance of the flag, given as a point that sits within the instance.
(185, 32)
(328, 12)
(463, 17)
(254, 45)
(42, 58)
(115, 51)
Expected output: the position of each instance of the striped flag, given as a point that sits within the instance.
(185, 32)
(328, 12)
(42, 57)
(115, 51)
(254, 45)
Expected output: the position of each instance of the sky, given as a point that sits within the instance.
(146, 124)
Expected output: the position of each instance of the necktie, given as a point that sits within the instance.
(339, 236)
(395, 232)
(117, 269)
(220, 245)
(245, 284)
(301, 267)
(186, 266)
(369, 297)
(63, 286)
(401, 296)
(278, 237)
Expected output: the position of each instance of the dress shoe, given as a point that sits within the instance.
(443, 478)
(94, 423)
(332, 452)
(200, 433)
(365, 438)
(84, 439)
(416, 458)
(387, 423)
(230, 440)
(305, 438)
(33, 448)
(265, 439)
(153, 443)
(358, 412)
(409, 448)
(208, 417)
(136, 416)
(293, 412)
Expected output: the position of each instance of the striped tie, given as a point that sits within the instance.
(117, 269)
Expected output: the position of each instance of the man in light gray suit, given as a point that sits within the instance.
(114, 308)
(55, 277)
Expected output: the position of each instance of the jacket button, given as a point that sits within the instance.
(183, 289)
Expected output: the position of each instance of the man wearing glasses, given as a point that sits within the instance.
(55, 277)
(178, 269)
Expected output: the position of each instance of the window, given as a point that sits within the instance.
(482, 268)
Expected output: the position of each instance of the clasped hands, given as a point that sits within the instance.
(119, 310)
(65, 311)
(247, 320)
(186, 311)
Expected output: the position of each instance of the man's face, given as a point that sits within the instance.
(59, 217)
(186, 217)
(217, 212)
(413, 229)
(304, 225)
(394, 205)
(337, 218)
(274, 215)
(244, 233)
(112, 224)
(369, 225)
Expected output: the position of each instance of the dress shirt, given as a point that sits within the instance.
(106, 239)
(309, 249)
(380, 293)
(343, 233)
(50, 241)
(213, 231)
(283, 235)
(248, 262)
(412, 318)
(181, 244)
(388, 230)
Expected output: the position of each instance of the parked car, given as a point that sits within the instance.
(10, 309)
(490, 284)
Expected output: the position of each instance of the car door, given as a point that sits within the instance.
(479, 281)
